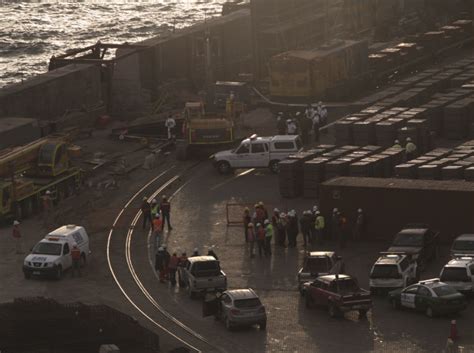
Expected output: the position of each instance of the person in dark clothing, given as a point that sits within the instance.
(173, 267)
(292, 228)
(275, 221)
(247, 219)
(146, 212)
(160, 263)
(305, 225)
(281, 124)
(359, 225)
(165, 208)
(334, 225)
(305, 129)
(211, 252)
(342, 230)
(166, 261)
(312, 223)
(260, 239)
(282, 229)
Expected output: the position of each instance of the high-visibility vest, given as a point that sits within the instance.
(319, 223)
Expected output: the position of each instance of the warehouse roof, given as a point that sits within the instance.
(409, 184)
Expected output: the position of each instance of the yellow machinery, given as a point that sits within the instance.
(204, 129)
(27, 172)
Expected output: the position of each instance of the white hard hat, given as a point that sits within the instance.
(160, 248)
(145, 198)
(157, 215)
(397, 142)
(408, 139)
(288, 120)
(298, 113)
(250, 225)
(195, 250)
(335, 210)
(74, 245)
(276, 210)
(154, 201)
(266, 221)
(282, 215)
(259, 224)
(315, 208)
(359, 210)
(48, 192)
(280, 113)
(16, 223)
(317, 212)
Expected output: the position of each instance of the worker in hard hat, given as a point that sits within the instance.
(155, 208)
(47, 203)
(335, 224)
(281, 125)
(165, 209)
(397, 145)
(269, 231)
(246, 219)
(319, 225)
(291, 128)
(410, 149)
(76, 260)
(158, 230)
(146, 212)
(160, 263)
(359, 225)
(170, 124)
(16, 234)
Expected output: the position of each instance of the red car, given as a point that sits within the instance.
(339, 293)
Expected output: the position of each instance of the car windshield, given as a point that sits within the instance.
(444, 290)
(317, 265)
(347, 286)
(385, 271)
(247, 303)
(454, 274)
(47, 249)
(206, 269)
(464, 245)
(407, 239)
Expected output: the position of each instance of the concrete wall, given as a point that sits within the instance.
(48, 96)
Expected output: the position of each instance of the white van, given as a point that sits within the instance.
(52, 255)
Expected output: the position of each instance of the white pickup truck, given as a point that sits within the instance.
(258, 152)
(201, 274)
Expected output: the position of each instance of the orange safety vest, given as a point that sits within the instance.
(75, 254)
(157, 223)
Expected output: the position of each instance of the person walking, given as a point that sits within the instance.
(359, 225)
(319, 227)
(410, 149)
(246, 220)
(251, 239)
(268, 237)
(282, 229)
(76, 260)
(334, 225)
(154, 208)
(260, 239)
(170, 124)
(165, 208)
(212, 253)
(47, 204)
(293, 229)
(157, 230)
(173, 267)
(291, 127)
(146, 212)
(305, 226)
(396, 145)
(342, 234)
(316, 125)
(17, 238)
(281, 125)
(166, 262)
(160, 263)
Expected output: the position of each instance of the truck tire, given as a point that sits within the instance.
(224, 167)
(274, 167)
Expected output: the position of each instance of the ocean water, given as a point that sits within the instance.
(32, 31)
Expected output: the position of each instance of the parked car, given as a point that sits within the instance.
(392, 271)
(419, 241)
(202, 274)
(318, 263)
(463, 245)
(51, 256)
(237, 307)
(459, 274)
(431, 296)
(258, 152)
(339, 293)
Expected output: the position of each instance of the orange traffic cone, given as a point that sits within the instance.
(453, 332)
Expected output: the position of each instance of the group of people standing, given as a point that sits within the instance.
(303, 123)
(285, 227)
(156, 214)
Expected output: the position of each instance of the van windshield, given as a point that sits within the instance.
(455, 274)
(47, 249)
(385, 271)
(464, 245)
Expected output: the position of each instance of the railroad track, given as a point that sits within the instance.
(127, 279)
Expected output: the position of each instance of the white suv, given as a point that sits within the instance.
(52, 255)
(258, 152)
(392, 271)
(459, 273)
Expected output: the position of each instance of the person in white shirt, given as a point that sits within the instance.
(290, 127)
(170, 124)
